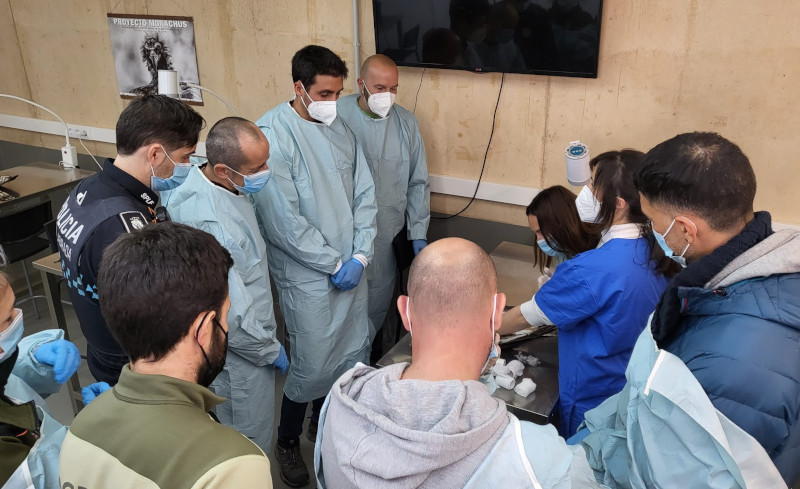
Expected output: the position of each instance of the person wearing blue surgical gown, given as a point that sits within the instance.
(213, 198)
(395, 152)
(317, 214)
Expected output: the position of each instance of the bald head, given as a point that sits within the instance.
(230, 139)
(451, 278)
(379, 74)
(377, 62)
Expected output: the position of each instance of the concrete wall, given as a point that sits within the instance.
(665, 67)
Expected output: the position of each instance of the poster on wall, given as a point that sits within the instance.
(144, 44)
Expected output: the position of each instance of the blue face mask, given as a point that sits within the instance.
(252, 183)
(549, 251)
(178, 176)
(493, 350)
(680, 260)
(11, 336)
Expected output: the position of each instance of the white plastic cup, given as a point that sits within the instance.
(168, 83)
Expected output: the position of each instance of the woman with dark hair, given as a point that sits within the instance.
(560, 234)
(600, 299)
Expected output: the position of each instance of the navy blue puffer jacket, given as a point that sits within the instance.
(740, 337)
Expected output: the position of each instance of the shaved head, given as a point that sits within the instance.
(377, 62)
(451, 278)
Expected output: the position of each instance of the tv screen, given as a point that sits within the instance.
(544, 37)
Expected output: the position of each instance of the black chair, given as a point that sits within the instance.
(20, 239)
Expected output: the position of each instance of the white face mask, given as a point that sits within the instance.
(323, 111)
(11, 336)
(588, 205)
(380, 103)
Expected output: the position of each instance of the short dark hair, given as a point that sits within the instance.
(560, 223)
(154, 282)
(157, 119)
(316, 60)
(702, 173)
(222, 142)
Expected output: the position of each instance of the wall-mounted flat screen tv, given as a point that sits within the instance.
(543, 37)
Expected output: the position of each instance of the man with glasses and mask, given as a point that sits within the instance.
(164, 292)
(317, 214)
(155, 136)
(214, 198)
(395, 152)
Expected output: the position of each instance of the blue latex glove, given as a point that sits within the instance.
(282, 362)
(91, 392)
(62, 355)
(349, 275)
(418, 244)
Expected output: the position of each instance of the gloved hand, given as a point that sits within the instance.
(418, 244)
(349, 275)
(547, 275)
(91, 392)
(282, 362)
(62, 355)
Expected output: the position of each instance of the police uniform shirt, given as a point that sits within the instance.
(127, 205)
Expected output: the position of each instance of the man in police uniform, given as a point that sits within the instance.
(155, 136)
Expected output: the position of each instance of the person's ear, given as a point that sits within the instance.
(360, 82)
(203, 327)
(402, 304)
(620, 204)
(154, 154)
(687, 228)
(220, 171)
(499, 307)
(298, 88)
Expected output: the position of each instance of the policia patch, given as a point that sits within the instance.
(133, 220)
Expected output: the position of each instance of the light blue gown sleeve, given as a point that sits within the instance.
(248, 335)
(278, 209)
(418, 207)
(364, 208)
(37, 375)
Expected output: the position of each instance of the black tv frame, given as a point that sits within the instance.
(478, 69)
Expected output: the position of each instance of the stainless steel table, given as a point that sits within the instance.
(37, 183)
(517, 278)
(50, 266)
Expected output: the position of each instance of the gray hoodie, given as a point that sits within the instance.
(413, 433)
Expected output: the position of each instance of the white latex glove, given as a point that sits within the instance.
(547, 274)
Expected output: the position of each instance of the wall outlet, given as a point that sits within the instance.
(78, 132)
(69, 156)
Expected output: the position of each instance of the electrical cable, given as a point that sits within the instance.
(90, 154)
(485, 155)
(66, 127)
(418, 89)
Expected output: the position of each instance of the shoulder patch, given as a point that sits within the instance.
(133, 220)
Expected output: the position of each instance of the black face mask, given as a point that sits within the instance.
(215, 359)
(5, 369)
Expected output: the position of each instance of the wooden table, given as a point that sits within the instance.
(518, 279)
(50, 267)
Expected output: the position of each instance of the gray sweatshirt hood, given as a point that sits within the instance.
(777, 254)
(383, 432)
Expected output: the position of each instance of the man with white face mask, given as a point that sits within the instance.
(317, 215)
(431, 423)
(395, 152)
(31, 369)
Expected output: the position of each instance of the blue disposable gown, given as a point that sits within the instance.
(600, 301)
(662, 430)
(317, 210)
(33, 381)
(248, 380)
(396, 157)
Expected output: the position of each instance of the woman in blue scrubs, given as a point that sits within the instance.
(600, 299)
